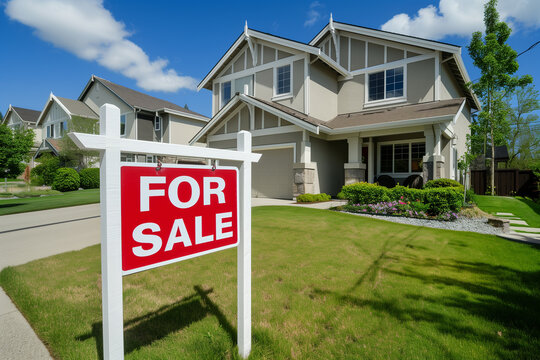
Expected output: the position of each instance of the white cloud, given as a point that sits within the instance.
(88, 30)
(313, 14)
(462, 18)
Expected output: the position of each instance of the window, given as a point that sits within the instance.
(157, 123)
(401, 158)
(386, 158)
(283, 79)
(418, 150)
(386, 84)
(151, 159)
(63, 128)
(225, 92)
(50, 131)
(127, 157)
(123, 124)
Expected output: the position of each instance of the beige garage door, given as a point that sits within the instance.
(273, 174)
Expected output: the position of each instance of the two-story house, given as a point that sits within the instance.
(56, 118)
(143, 117)
(353, 104)
(21, 118)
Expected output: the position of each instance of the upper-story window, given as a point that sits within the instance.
(157, 123)
(123, 124)
(50, 131)
(225, 92)
(283, 80)
(386, 84)
(63, 128)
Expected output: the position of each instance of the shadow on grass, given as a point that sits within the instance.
(500, 297)
(144, 330)
(5, 206)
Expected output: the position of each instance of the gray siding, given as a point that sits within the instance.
(330, 157)
(323, 92)
(420, 81)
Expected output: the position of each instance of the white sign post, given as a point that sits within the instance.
(110, 145)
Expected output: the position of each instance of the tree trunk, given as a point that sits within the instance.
(492, 163)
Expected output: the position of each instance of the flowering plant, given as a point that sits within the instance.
(414, 209)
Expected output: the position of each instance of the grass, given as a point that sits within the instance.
(326, 285)
(523, 208)
(72, 198)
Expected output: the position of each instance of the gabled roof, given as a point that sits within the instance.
(27, 115)
(70, 106)
(139, 100)
(255, 34)
(400, 116)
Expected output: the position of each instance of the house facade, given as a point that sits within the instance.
(143, 117)
(59, 116)
(21, 118)
(354, 104)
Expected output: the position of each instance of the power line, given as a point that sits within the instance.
(530, 48)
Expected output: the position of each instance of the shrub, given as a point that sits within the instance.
(341, 196)
(304, 198)
(45, 172)
(66, 179)
(89, 178)
(443, 200)
(441, 183)
(405, 194)
(365, 193)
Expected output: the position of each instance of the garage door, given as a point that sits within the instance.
(273, 174)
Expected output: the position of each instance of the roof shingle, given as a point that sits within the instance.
(27, 115)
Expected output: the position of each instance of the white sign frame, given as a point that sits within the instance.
(110, 145)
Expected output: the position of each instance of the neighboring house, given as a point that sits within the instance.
(21, 118)
(56, 118)
(143, 117)
(352, 105)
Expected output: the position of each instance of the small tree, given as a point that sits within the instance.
(15, 146)
(497, 62)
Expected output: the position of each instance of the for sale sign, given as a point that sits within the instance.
(175, 213)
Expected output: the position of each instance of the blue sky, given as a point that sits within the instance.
(56, 45)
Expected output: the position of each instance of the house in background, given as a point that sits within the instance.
(144, 117)
(354, 104)
(21, 118)
(56, 118)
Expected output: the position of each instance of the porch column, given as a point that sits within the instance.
(433, 161)
(371, 161)
(355, 169)
(453, 161)
(304, 171)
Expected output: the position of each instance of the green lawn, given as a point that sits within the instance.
(525, 209)
(326, 285)
(72, 198)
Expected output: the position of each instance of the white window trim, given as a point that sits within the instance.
(385, 101)
(125, 127)
(275, 95)
(410, 142)
(221, 104)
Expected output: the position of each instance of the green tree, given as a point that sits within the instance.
(524, 139)
(70, 154)
(15, 146)
(497, 63)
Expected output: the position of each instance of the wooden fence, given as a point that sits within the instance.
(508, 182)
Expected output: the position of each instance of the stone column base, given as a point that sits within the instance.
(303, 179)
(433, 167)
(354, 172)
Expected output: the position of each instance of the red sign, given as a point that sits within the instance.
(176, 213)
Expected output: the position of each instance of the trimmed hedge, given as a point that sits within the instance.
(66, 179)
(89, 178)
(437, 200)
(441, 183)
(307, 198)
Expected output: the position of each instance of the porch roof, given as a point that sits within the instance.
(432, 109)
